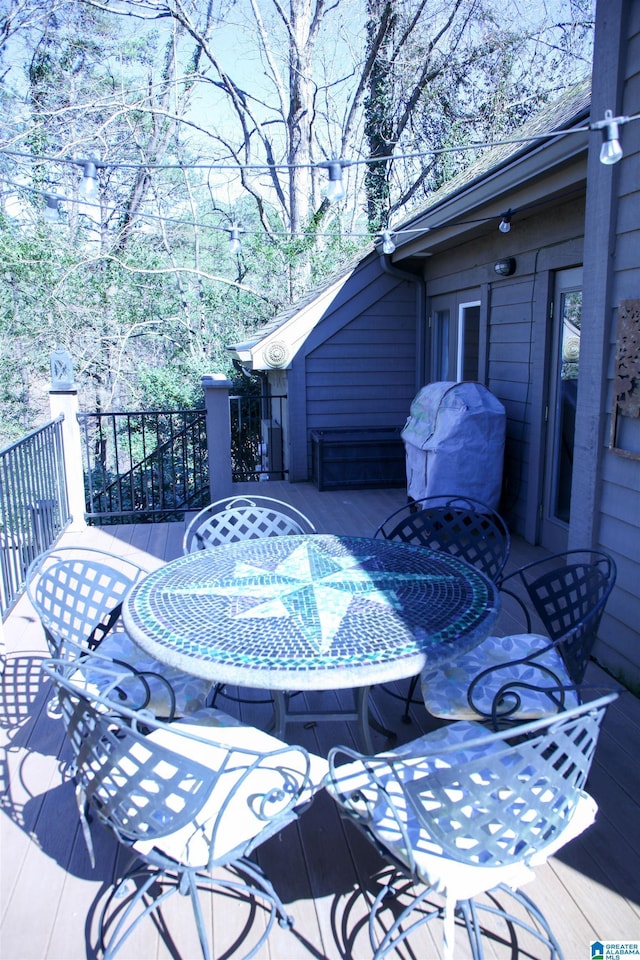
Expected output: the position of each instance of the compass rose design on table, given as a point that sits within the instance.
(310, 587)
(314, 612)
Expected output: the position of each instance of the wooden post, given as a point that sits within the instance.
(65, 402)
(216, 393)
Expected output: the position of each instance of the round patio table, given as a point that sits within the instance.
(313, 612)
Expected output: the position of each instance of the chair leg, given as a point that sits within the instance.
(191, 889)
(124, 925)
(542, 932)
(145, 901)
(412, 689)
(402, 925)
(217, 688)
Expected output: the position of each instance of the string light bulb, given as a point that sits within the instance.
(51, 211)
(335, 189)
(505, 223)
(235, 245)
(610, 151)
(89, 186)
(388, 246)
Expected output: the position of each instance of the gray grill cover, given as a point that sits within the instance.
(454, 442)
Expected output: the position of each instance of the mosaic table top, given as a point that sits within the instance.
(311, 612)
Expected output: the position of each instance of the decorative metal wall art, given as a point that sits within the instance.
(626, 384)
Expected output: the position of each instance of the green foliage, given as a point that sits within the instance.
(140, 286)
(170, 387)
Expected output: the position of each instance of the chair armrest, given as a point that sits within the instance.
(509, 591)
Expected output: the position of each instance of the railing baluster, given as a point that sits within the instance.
(149, 456)
(163, 482)
(34, 506)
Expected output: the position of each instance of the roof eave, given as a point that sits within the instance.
(489, 191)
(277, 348)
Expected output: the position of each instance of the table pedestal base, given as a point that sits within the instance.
(361, 714)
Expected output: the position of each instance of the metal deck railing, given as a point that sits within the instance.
(34, 508)
(150, 465)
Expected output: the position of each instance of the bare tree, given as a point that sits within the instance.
(201, 117)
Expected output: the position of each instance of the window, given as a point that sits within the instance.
(468, 341)
(441, 326)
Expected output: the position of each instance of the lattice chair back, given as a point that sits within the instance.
(463, 526)
(243, 518)
(78, 593)
(464, 811)
(569, 592)
(187, 797)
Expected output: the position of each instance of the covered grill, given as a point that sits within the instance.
(454, 442)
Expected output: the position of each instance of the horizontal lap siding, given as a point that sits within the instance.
(620, 500)
(509, 369)
(541, 242)
(364, 375)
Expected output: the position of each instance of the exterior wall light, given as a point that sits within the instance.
(506, 267)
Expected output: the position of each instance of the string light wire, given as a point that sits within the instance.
(386, 236)
(330, 164)
(611, 152)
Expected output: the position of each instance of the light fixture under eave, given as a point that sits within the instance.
(610, 151)
(506, 267)
(505, 224)
(388, 246)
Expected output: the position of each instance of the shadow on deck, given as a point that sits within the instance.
(326, 873)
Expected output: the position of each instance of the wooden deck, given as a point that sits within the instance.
(325, 871)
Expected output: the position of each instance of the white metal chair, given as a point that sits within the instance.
(77, 593)
(243, 518)
(529, 675)
(463, 526)
(186, 798)
(462, 812)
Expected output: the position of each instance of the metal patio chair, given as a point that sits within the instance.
(77, 593)
(463, 526)
(186, 799)
(531, 674)
(243, 518)
(461, 812)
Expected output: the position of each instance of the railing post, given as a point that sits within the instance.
(65, 402)
(216, 394)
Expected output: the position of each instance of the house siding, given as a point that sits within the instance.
(363, 362)
(357, 368)
(617, 267)
(364, 376)
(518, 334)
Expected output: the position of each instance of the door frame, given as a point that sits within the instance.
(554, 532)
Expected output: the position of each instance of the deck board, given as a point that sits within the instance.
(325, 870)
